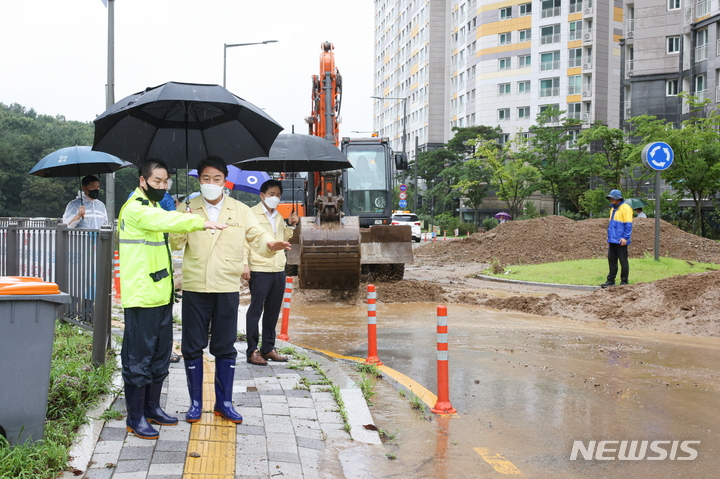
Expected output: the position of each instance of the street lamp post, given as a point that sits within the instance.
(404, 120)
(230, 45)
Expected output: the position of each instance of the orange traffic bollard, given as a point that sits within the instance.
(442, 406)
(116, 268)
(283, 336)
(444, 235)
(372, 327)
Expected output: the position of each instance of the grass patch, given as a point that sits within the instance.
(75, 386)
(594, 271)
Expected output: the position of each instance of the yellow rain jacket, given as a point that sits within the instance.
(213, 262)
(284, 233)
(146, 275)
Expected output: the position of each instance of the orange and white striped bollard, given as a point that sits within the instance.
(372, 327)
(442, 406)
(116, 268)
(283, 336)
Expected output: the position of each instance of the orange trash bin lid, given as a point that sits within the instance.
(26, 285)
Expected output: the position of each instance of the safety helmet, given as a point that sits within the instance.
(614, 195)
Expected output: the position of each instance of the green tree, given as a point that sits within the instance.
(546, 151)
(695, 171)
(612, 158)
(513, 179)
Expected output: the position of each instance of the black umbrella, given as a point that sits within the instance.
(183, 123)
(294, 153)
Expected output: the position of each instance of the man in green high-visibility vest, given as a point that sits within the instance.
(147, 294)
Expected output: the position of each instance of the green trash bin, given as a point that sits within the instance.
(28, 310)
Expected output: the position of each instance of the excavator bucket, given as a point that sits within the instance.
(386, 244)
(329, 254)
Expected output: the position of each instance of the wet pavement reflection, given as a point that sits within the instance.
(526, 387)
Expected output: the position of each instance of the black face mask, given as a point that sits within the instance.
(94, 194)
(154, 194)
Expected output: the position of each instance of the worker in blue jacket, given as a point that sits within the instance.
(618, 238)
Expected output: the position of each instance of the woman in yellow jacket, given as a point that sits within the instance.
(212, 267)
(147, 295)
(266, 277)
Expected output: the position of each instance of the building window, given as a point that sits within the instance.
(576, 6)
(572, 137)
(524, 137)
(505, 13)
(575, 57)
(700, 87)
(550, 87)
(526, 9)
(550, 8)
(523, 61)
(505, 38)
(701, 45)
(523, 112)
(671, 88)
(504, 89)
(503, 138)
(674, 4)
(504, 64)
(673, 44)
(550, 34)
(549, 61)
(524, 35)
(523, 87)
(576, 30)
(504, 114)
(574, 84)
(574, 111)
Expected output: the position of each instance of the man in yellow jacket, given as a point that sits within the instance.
(147, 295)
(212, 268)
(266, 277)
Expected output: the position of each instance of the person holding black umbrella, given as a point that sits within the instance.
(147, 295)
(86, 211)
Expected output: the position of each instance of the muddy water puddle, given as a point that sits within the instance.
(526, 387)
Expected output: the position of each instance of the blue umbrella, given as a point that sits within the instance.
(76, 161)
(243, 180)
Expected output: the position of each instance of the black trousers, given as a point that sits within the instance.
(209, 312)
(147, 344)
(617, 252)
(266, 297)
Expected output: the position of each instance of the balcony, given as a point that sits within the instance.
(630, 28)
(575, 115)
(702, 8)
(628, 68)
(574, 89)
(628, 109)
(575, 62)
(552, 65)
(552, 38)
(701, 53)
(547, 92)
(587, 91)
(587, 63)
(701, 95)
(550, 12)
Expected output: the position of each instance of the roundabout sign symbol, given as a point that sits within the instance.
(658, 156)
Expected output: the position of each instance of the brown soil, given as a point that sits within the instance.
(683, 304)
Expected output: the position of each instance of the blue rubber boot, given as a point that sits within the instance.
(194, 375)
(136, 422)
(153, 412)
(224, 376)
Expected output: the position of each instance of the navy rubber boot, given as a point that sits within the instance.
(224, 376)
(194, 375)
(153, 412)
(136, 422)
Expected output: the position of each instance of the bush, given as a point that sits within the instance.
(530, 211)
(465, 227)
(447, 222)
(572, 215)
(594, 203)
(490, 223)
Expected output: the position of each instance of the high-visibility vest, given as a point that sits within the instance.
(145, 261)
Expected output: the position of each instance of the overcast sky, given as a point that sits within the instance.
(53, 53)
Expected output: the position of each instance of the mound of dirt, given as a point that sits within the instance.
(409, 291)
(680, 304)
(556, 238)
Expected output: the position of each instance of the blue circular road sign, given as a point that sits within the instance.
(658, 156)
(402, 203)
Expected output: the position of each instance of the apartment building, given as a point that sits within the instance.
(670, 46)
(468, 62)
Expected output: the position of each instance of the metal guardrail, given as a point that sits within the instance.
(79, 261)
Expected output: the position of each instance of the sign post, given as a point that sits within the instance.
(657, 156)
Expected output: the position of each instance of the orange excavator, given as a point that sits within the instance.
(347, 230)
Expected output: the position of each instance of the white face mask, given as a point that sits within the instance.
(272, 201)
(211, 192)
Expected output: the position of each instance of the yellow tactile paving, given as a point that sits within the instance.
(211, 449)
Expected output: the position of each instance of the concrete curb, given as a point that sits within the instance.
(533, 283)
